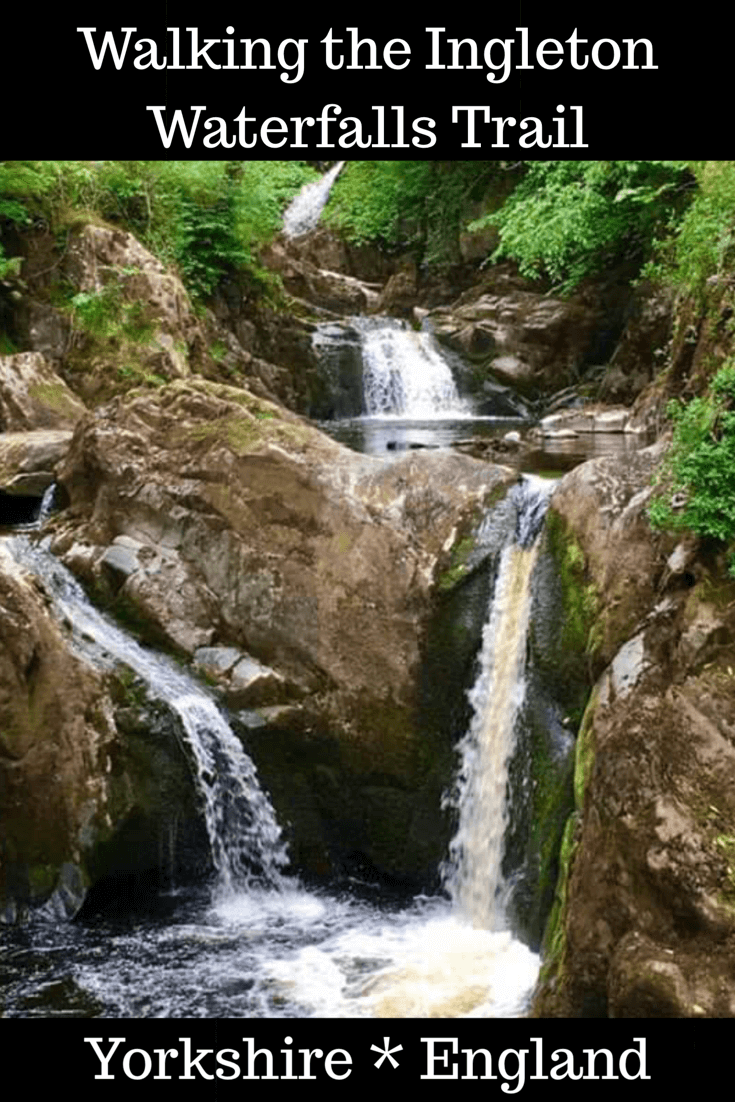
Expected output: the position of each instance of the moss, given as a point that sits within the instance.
(581, 633)
(42, 880)
(457, 567)
(243, 433)
(56, 396)
(584, 756)
(127, 688)
(554, 946)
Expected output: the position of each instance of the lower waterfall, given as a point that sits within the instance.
(473, 871)
(263, 945)
(241, 825)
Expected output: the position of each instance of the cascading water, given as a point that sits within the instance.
(472, 875)
(304, 212)
(404, 375)
(241, 825)
(268, 947)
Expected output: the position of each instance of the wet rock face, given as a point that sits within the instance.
(78, 780)
(650, 915)
(210, 518)
(525, 339)
(603, 504)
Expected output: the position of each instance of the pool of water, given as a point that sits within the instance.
(383, 435)
(265, 954)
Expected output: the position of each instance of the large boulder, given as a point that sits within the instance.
(28, 461)
(526, 339)
(645, 917)
(211, 518)
(34, 396)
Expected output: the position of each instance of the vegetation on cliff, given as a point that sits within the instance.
(206, 217)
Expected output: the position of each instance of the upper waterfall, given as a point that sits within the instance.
(304, 212)
(404, 374)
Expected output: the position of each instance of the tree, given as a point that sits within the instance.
(414, 205)
(571, 219)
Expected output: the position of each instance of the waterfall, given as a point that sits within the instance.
(473, 872)
(278, 949)
(404, 374)
(305, 211)
(47, 506)
(241, 824)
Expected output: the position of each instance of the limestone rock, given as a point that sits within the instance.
(398, 297)
(28, 460)
(588, 419)
(100, 259)
(650, 905)
(261, 534)
(531, 340)
(34, 396)
(321, 287)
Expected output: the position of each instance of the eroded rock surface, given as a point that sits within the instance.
(525, 339)
(648, 925)
(212, 518)
(34, 396)
(90, 787)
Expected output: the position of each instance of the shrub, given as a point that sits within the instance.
(571, 219)
(705, 244)
(697, 479)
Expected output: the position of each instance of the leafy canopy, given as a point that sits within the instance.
(704, 245)
(417, 205)
(571, 219)
(206, 216)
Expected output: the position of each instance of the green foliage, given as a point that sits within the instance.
(371, 199)
(699, 469)
(105, 313)
(705, 243)
(571, 219)
(410, 204)
(206, 247)
(18, 179)
(206, 216)
(9, 265)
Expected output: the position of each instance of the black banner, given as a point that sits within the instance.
(338, 82)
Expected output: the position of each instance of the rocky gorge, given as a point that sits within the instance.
(319, 593)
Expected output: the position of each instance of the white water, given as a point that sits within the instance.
(241, 825)
(269, 947)
(404, 374)
(305, 211)
(472, 874)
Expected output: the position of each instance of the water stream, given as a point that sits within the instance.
(304, 212)
(244, 836)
